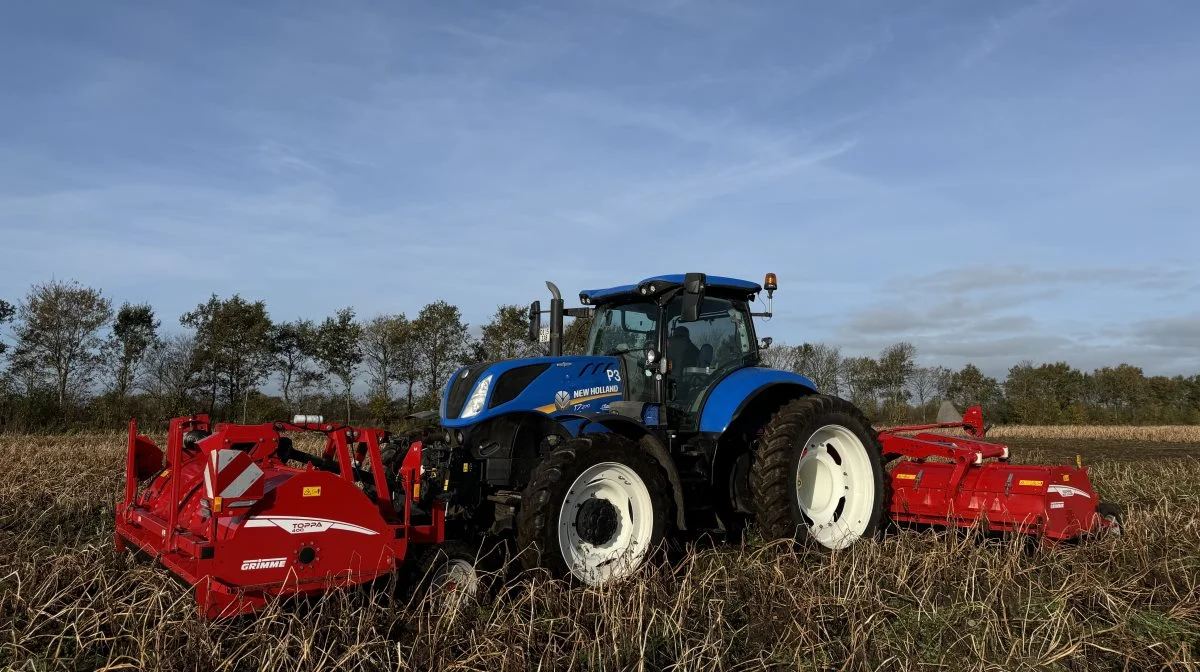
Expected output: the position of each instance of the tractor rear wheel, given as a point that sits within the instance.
(594, 510)
(818, 476)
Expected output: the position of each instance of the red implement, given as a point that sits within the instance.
(229, 515)
(972, 483)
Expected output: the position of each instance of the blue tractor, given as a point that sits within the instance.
(667, 426)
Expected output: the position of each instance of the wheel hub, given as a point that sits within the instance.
(597, 521)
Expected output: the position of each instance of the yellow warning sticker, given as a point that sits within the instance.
(907, 477)
(312, 491)
(466, 467)
(1066, 478)
(1029, 482)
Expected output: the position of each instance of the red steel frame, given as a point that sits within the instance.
(1055, 502)
(196, 537)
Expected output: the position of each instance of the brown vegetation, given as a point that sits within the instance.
(913, 600)
(1152, 433)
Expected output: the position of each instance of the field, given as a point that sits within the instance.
(910, 601)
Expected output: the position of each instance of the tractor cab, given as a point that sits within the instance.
(677, 337)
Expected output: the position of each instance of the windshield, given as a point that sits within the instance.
(624, 328)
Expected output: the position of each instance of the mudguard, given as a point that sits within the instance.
(733, 393)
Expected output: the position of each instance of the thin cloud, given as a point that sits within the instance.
(1175, 332)
(994, 277)
(279, 158)
(1004, 29)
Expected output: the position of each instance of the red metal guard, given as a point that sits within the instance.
(240, 524)
(1055, 502)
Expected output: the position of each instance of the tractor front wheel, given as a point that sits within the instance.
(595, 509)
(445, 576)
(818, 476)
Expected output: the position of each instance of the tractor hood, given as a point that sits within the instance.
(545, 384)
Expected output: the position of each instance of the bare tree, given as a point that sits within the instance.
(293, 349)
(506, 336)
(406, 364)
(821, 363)
(860, 377)
(339, 350)
(233, 346)
(382, 338)
(928, 384)
(168, 371)
(6, 314)
(59, 332)
(575, 336)
(133, 333)
(779, 356)
(443, 340)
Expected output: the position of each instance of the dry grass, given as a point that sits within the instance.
(911, 601)
(1154, 433)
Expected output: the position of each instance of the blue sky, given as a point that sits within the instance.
(990, 181)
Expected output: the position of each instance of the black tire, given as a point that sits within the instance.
(778, 513)
(542, 500)
(423, 574)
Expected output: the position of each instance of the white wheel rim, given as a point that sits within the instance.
(624, 551)
(835, 486)
(454, 581)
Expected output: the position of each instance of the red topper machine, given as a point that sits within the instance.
(972, 483)
(229, 514)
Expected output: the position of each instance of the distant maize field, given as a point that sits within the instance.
(913, 600)
(1153, 433)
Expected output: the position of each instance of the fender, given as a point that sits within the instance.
(739, 388)
(644, 436)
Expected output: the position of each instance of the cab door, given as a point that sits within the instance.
(701, 353)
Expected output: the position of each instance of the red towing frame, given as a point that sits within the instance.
(974, 484)
(227, 514)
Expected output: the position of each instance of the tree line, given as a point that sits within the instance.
(894, 388)
(75, 360)
(72, 359)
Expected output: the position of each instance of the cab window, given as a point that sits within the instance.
(625, 331)
(701, 353)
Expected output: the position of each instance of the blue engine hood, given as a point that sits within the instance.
(546, 385)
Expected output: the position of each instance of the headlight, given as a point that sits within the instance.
(475, 403)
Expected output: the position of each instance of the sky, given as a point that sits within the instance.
(992, 182)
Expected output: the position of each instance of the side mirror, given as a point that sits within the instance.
(693, 294)
(535, 321)
(766, 342)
